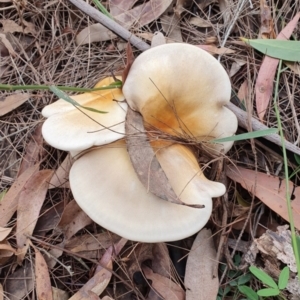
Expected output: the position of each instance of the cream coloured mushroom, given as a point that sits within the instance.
(107, 188)
(70, 129)
(181, 90)
(103, 180)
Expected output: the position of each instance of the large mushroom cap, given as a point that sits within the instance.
(106, 187)
(181, 89)
(76, 129)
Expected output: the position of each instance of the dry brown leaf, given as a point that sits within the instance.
(94, 33)
(204, 3)
(161, 262)
(7, 45)
(106, 298)
(243, 92)
(142, 252)
(101, 278)
(236, 66)
(144, 13)
(295, 67)
(144, 160)
(199, 22)
(31, 200)
(42, 278)
(60, 177)
(269, 189)
(54, 253)
(212, 49)
(90, 242)
(224, 6)
(9, 203)
(6, 251)
(139, 16)
(267, 71)
(34, 150)
(171, 26)
(4, 232)
(10, 26)
(59, 294)
(165, 287)
(73, 219)
(182, 6)
(29, 28)
(49, 219)
(11, 102)
(117, 7)
(199, 281)
(20, 283)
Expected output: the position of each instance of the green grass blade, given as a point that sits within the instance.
(245, 136)
(263, 277)
(283, 278)
(102, 8)
(268, 292)
(285, 50)
(64, 96)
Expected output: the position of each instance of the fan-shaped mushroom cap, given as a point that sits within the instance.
(181, 89)
(68, 128)
(107, 188)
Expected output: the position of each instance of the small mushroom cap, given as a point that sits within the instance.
(72, 129)
(181, 90)
(106, 187)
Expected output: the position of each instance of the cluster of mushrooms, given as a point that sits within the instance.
(179, 90)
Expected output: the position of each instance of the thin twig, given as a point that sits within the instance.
(111, 24)
(256, 125)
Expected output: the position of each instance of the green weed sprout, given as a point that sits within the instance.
(272, 288)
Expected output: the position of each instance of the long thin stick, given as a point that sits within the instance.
(111, 24)
(256, 125)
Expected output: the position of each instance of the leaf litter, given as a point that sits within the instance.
(64, 240)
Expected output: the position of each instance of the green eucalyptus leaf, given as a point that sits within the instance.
(268, 292)
(283, 278)
(263, 277)
(247, 291)
(246, 136)
(64, 96)
(281, 49)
